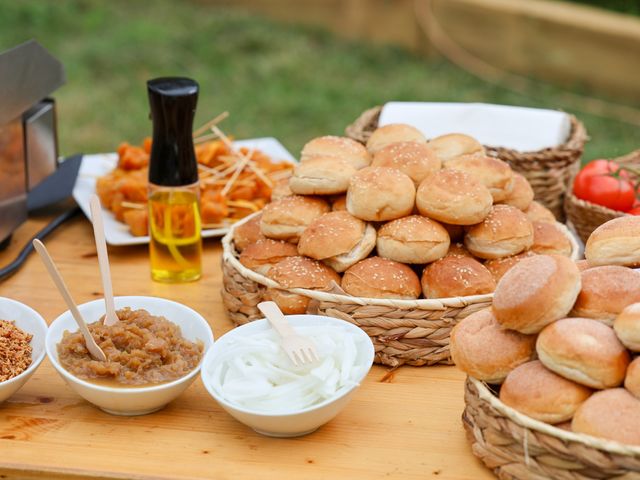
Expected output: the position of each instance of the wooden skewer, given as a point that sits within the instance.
(139, 206)
(243, 163)
(205, 138)
(210, 123)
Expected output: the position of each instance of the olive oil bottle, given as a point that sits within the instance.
(175, 246)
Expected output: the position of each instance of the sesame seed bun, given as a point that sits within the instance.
(627, 327)
(379, 194)
(339, 239)
(412, 239)
(493, 173)
(504, 232)
(247, 233)
(536, 212)
(454, 197)
(393, 133)
(452, 145)
(541, 394)
(339, 204)
(583, 265)
(473, 344)
(456, 276)
(521, 194)
(536, 291)
(583, 350)
(286, 219)
(606, 291)
(343, 148)
(412, 158)
(377, 277)
(281, 189)
(611, 414)
(265, 253)
(458, 250)
(299, 272)
(499, 266)
(549, 239)
(321, 176)
(616, 242)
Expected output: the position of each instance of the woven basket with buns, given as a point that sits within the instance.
(549, 171)
(553, 386)
(586, 216)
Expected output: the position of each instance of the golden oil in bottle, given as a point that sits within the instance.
(175, 245)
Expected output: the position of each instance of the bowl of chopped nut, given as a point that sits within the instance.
(22, 335)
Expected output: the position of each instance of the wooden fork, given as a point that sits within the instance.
(300, 349)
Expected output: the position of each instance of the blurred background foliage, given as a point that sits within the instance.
(290, 82)
(622, 6)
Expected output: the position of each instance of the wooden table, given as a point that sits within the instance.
(405, 427)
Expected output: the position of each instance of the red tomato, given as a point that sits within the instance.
(634, 211)
(601, 183)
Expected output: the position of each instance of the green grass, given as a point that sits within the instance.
(290, 82)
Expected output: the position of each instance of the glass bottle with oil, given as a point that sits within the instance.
(175, 245)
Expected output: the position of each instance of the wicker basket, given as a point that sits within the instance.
(516, 446)
(549, 171)
(412, 332)
(586, 216)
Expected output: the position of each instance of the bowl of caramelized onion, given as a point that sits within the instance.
(153, 353)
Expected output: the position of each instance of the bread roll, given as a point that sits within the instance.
(521, 194)
(265, 253)
(377, 277)
(583, 350)
(632, 377)
(412, 239)
(606, 291)
(321, 176)
(541, 394)
(452, 145)
(582, 265)
(493, 173)
(535, 292)
(454, 197)
(414, 159)
(393, 133)
(616, 242)
(456, 276)
(247, 233)
(611, 414)
(549, 239)
(536, 212)
(287, 218)
(379, 194)
(338, 239)
(299, 272)
(343, 148)
(484, 350)
(499, 266)
(504, 232)
(281, 189)
(627, 327)
(339, 204)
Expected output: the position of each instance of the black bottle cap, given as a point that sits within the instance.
(173, 103)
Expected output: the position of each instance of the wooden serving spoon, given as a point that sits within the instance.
(95, 351)
(110, 317)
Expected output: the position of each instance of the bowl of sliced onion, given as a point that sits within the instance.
(249, 375)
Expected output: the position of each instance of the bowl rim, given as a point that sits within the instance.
(35, 362)
(324, 403)
(124, 390)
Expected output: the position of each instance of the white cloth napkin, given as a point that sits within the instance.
(518, 128)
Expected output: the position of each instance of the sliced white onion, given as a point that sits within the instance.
(256, 374)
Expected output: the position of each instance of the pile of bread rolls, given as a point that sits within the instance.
(560, 337)
(399, 218)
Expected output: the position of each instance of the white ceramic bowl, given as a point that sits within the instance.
(30, 321)
(298, 422)
(132, 400)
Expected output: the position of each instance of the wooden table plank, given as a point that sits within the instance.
(408, 427)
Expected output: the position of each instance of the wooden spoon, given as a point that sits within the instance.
(110, 317)
(95, 351)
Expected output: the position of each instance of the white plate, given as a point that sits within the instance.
(117, 233)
